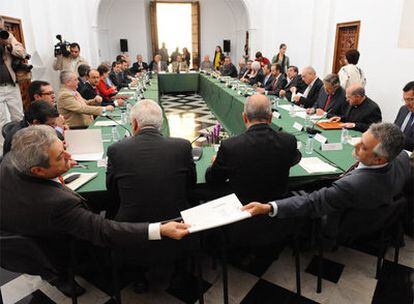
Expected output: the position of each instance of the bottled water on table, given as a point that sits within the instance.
(344, 136)
(292, 110)
(309, 144)
(115, 134)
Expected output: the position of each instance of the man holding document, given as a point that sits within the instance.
(382, 173)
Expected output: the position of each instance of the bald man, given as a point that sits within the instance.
(256, 162)
(361, 111)
(309, 97)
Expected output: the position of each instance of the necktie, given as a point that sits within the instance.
(60, 178)
(328, 101)
(408, 125)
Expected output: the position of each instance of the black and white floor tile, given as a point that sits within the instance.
(349, 273)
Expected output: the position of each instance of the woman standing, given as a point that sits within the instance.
(218, 57)
(281, 58)
(186, 56)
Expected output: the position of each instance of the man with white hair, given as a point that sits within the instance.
(77, 111)
(206, 64)
(150, 176)
(311, 93)
(256, 75)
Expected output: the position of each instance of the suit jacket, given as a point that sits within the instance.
(153, 184)
(242, 72)
(228, 70)
(104, 90)
(277, 85)
(89, 92)
(267, 85)
(175, 65)
(118, 80)
(399, 120)
(256, 162)
(296, 82)
(256, 79)
(136, 68)
(361, 189)
(313, 94)
(337, 105)
(56, 211)
(363, 115)
(153, 66)
(76, 110)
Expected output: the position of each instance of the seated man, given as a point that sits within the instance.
(310, 95)
(206, 64)
(139, 66)
(405, 116)
(90, 90)
(381, 175)
(155, 183)
(77, 111)
(247, 71)
(83, 69)
(116, 76)
(39, 113)
(257, 164)
(294, 83)
(242, 68)
(228, 68)
(179, 65)
(278, 81)
(35, 164)
(256, 75)
(331, 98)
(267, 80)
(361, 111)
(157, 65)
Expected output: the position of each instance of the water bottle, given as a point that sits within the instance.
(277, 104)
(128, 110)
(309, 144)
(123, 118)
(292, 110)
(344, 136)
(307, 120)
(115, 134)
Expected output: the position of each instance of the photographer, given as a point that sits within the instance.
(11, 107)
(71, 62)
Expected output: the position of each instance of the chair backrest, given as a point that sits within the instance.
(7, 127)
(26, 255)
(359, 223)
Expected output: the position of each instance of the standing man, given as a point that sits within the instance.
(163, 52)
(11, 107)
(405, 117)
(72, 62)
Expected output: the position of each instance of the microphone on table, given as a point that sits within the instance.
(312, 130)
(121, 125)
(197, 152)
(199, 136)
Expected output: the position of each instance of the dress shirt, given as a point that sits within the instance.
(305, 94)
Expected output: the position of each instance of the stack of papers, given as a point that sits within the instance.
(107, 123)
(85, 145)
(315, 165)
(219, 212)
(81, 180)
(295, 108)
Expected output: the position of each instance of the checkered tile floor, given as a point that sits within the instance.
(349, 273)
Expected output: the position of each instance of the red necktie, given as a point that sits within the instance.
(60, 178)
(328, 101)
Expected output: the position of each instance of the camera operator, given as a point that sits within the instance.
(70, 63)
(11, 107)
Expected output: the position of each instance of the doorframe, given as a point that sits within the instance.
(338, 28)
(19, 23)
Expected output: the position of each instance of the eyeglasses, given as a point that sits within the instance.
(48, 93)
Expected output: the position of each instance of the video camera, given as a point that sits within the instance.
(62, 47)
(18, 64)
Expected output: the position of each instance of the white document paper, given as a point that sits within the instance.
(315, 165)
(297, 126)
(216, 213)
(295, 108)
(85, 145)
(81, 180)
(107, 123)
(302, 114)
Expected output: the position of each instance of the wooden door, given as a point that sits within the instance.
(14, 26)
(347, 36)
(195, 33)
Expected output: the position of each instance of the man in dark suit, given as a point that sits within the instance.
(257, 164)
(361, 111)
(228, 68)
(139, 66)
(331, 98)
(267, 80)
(116, 76)
(152, 184)
(278, 82)
(382, 174)
(311, 93)
(83, 70)
(405, 116)
(90, 90)
(294, 83)
(35, 164)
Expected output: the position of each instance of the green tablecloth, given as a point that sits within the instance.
(227, 106)
(183, 82)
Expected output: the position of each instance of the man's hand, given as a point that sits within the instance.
(335, 119)
(260, 90)
(120, 102)
(320, 112)
(348, 125)
(310, 111)
(282, 93)
(296, 98)
(174, 230)
(293, 90)
(257, 208)
(98, 99)
(109, 108)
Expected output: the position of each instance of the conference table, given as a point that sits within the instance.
(227, 106)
